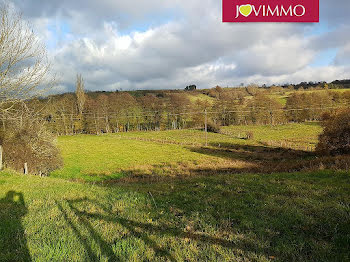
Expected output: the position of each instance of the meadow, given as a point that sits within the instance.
(112, 156)
(237, 217)
(165, 196)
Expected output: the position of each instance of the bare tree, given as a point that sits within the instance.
(24, 67)
(80, 93)
(24, 74)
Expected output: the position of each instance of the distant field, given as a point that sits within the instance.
(164, 196)
(201, 98)
(283, 98)
(95, 158)
(336, 90)
(302, 133)
(296, 134)
(232, 217)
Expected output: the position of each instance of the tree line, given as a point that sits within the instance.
(111, 112)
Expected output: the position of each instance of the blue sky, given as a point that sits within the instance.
(167, 44)
(325, 57)
(60, 32)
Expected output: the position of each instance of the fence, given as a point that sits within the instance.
(63, 123)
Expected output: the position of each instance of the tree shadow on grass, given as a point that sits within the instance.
(262, 209)
(256, 152)
(263, 159)
(253, 216)
(91, 255)
(237, 159)
(105, 248)
(137, 229)
(13, 243)
(260, 159)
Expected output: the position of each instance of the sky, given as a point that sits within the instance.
(169, 44)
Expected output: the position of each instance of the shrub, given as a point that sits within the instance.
(249, 135)
(213, 127)
(335, 139)
(30, 143)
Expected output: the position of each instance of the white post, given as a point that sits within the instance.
(25, 168)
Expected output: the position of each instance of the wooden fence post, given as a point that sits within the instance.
(25, 168)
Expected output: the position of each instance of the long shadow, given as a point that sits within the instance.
(139, 230)
(242, 159)
(105, 248)
(261, 159)
(257, 151)
(91, 255)
(249, 159)
(84, 217)
(246, 209)
(251, 206)
(13, 242)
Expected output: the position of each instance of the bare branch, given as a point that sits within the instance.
(24, 67)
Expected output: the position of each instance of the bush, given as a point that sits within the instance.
(249, 135)
(212, 127)
(30, 143)
(335, 139)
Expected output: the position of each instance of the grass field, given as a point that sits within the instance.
(164, 196)
(95, 158)
(237, 217)
(301, 134)
(296, 134)
(282, 98)
(201, 98)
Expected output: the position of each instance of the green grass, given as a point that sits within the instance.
(96, 158)
(341, 90)
(226, 213)
(297, 133)
(282, 99)
(201, 98)
(187, 136)
(303, 133)
(237, 217)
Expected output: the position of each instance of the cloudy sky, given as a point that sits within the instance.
(168, 44)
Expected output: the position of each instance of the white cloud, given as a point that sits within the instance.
(194, 47)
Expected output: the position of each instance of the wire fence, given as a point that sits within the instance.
(65, 123)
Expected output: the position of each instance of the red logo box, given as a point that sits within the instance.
(292, 11)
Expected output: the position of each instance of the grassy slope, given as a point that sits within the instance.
(301, 134)
(86, 156)
(100, 157)
(281, 98)
(201, 98)
(242, 217)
